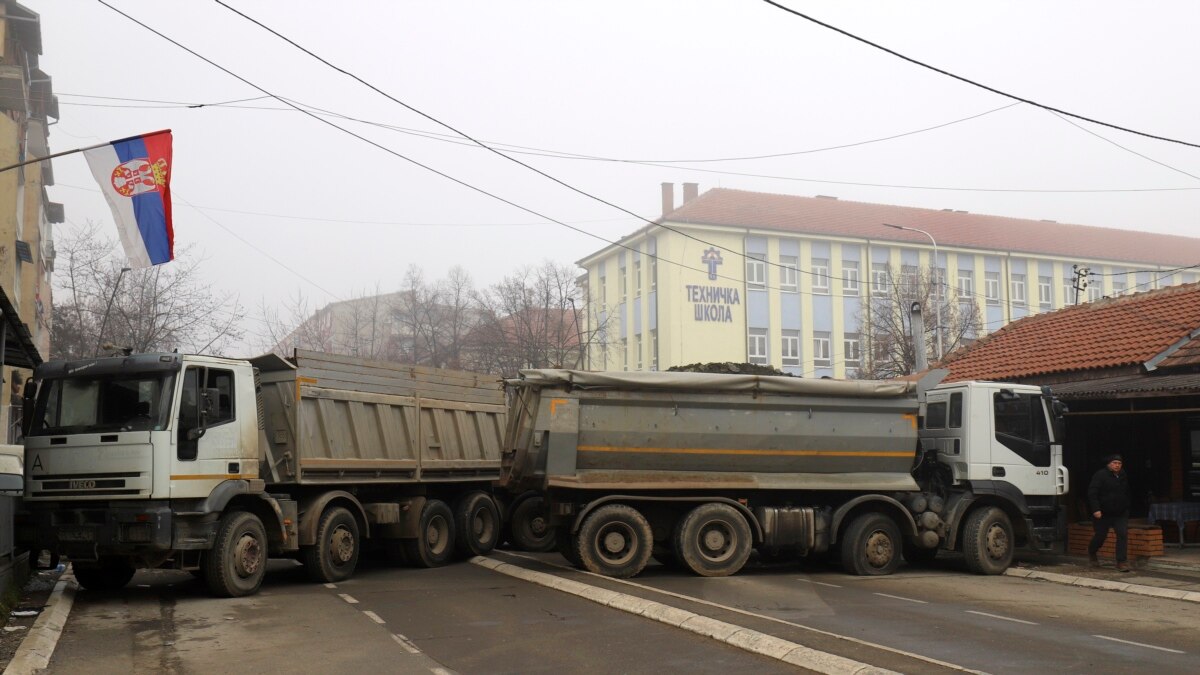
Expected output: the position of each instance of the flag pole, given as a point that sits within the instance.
(71, 152)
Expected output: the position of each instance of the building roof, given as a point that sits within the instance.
(831, 216)
(1151, 330)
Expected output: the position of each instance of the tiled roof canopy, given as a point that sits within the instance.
(1109, 333)
(823, 215)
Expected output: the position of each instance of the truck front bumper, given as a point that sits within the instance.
(88, 531)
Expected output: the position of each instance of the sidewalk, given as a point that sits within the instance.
(1176, 574)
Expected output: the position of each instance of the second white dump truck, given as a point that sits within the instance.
(697, 469)
(212, 465)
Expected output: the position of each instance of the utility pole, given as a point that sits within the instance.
(1081, 277)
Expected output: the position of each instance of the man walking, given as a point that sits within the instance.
(1108, 497)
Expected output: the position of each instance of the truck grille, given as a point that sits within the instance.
(88, 485)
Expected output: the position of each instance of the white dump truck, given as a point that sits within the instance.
(697, 469)
(212, 465)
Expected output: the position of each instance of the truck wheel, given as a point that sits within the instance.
(988, 541)
(530, 526)
(917, 556)
(871, 545)
(477, 521)
(435, 536)
(713, 540)
(108, 574)
(238, 560)
(335, 554)
(615, 540)
(567, 546)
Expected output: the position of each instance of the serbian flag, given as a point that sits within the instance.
(135, 176)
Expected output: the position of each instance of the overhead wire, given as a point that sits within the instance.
(973, 83)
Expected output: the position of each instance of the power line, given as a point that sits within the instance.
(1122, 147)
(973, 83)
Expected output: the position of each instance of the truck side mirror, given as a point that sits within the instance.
(29, 398)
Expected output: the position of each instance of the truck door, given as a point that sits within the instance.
(1021, 450)
(205, 445)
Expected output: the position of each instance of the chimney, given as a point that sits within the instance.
(690, 190)
(668, 198)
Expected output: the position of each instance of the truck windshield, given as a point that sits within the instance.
(93, 405)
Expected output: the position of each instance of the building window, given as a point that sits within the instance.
(637, 351)
(603, 292)
(820, 275)
(756, 271)
(938, 281)
(1095, 289)
(909, 278)
(756, 346)
(850, 277)
(653, 273)
(853, 350)
(789, 270)
(637, 278)
(966, 285)
(622, 283)
(1018, 289)
(1069, 292)
(654, 349)
(880, 279)
(1119, 287)
(991, 287)
(1045, 291)
(624, 346)
(790, 348)
(821, 356)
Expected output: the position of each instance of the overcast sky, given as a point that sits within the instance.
(655, 81)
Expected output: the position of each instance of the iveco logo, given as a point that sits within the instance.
(83, 485)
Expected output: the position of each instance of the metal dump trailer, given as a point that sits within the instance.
(212, 464)
(698, 469)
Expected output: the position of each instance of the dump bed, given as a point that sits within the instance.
(663, 431)
(339, 419)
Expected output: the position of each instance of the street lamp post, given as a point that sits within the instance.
(104, 323)
(937, 299)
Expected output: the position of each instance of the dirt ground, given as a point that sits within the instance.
(14, 626)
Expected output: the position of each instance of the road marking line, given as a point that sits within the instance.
(441, 671)
(1005, 618)
(764, 617)
(348, 598)
(406, 643)
(819, 583)
(1140, 644)
(900, 597)
(330, 585)
(374, 617)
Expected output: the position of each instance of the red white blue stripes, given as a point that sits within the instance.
(134, 174)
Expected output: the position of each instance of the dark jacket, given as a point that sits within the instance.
(1108, 493)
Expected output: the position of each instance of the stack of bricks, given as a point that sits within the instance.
(1144, 540)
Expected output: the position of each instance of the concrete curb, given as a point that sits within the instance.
(1104, 584)
(733, 635)
(37, 647)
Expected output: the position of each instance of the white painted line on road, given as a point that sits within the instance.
(736, 610)
(348, 598)
(406, 643)
(741, 637)
(441, 671)
(1005, 618)
(900, 597)
(1140, 644)
(330, 585)
(374, 617)
(819, 583)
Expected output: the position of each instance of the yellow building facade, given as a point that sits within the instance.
(27, 105)
(782, 280)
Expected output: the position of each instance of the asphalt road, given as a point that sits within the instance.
(468, 619)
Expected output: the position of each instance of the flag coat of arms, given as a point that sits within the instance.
(135, 176)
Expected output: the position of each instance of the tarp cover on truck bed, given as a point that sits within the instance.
(713, 382)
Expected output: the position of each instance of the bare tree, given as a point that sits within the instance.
(294, 325)
(886, 323)
(155, 309)
(529, 320)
